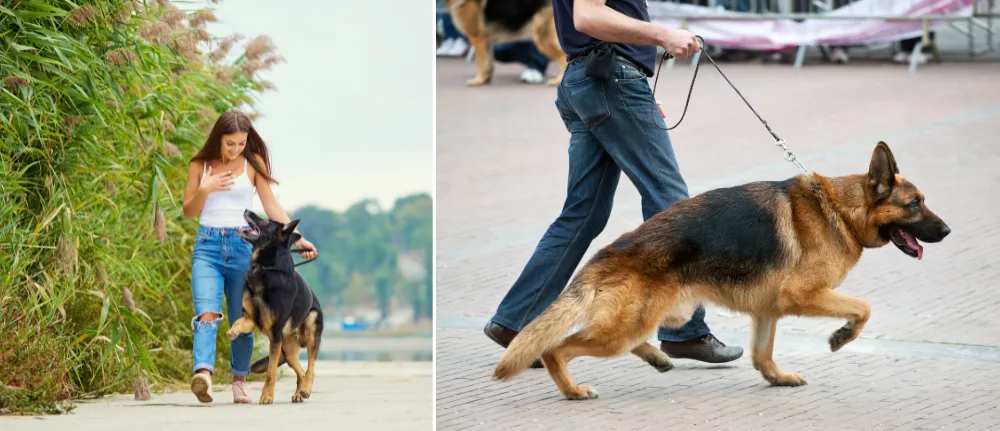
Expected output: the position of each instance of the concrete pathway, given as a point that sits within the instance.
(346, 395)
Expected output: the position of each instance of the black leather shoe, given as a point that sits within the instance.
(503, 336)
(705, 349)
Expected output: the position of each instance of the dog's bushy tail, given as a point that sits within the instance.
(260, 366)
(546, 330)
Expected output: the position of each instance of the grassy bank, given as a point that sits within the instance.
(101, 105)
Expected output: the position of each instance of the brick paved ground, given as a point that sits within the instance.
(501, 173)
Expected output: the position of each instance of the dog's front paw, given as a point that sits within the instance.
(232, 333)
(297, 397)
(479, 80)
(266, 398)
(582, 392)
(842, 336)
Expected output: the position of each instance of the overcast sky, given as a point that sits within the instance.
(352, 117)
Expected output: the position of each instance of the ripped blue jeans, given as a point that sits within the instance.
(220, 264)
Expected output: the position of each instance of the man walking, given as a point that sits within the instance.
(607, 105)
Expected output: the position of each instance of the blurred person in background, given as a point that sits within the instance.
(525, 52)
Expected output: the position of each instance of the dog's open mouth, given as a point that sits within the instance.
(907, 243)
(252, 231)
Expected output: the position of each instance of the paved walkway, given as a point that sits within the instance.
(357, 396)
(929, 358)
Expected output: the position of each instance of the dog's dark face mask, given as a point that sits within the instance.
(899, 210)
(266, 234)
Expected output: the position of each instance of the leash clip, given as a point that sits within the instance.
(789, 156)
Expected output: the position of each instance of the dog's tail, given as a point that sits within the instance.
(261, 365)
(546, 330)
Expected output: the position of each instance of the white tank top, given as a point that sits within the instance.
(224, 208)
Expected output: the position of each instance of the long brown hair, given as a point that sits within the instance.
(231, 122)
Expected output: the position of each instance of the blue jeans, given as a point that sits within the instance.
(613, 130)
(220, 264)
(524, 52)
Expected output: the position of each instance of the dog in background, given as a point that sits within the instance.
(768, 249)
(279, 302)
(486, 22)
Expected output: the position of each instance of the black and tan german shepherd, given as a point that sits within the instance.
(279, 302)
(767, 249)
(486, 22)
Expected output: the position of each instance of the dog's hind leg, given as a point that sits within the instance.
(290, 347)
(618, 321)
(675, 317)
(653, 356)
(589, 344)
(267, 394)
(762, 345)
(555, 362)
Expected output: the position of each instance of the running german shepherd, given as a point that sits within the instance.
(768, 249)
(486, 22)
(279, 302)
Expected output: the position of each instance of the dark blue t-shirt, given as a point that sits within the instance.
(574, 42)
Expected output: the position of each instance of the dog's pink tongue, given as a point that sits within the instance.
(912, 242)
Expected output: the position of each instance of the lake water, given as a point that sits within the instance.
(357, 347)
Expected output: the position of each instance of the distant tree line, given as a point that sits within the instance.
(369, 255)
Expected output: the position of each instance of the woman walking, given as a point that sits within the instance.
(223, 178)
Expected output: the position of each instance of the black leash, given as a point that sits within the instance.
(294, 250)
(789, 156)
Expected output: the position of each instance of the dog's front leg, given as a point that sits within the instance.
(828, 303)
(762, 345)
(468, 21)
(484, 61)
(267, 394)
(240, 326)
(545, 38)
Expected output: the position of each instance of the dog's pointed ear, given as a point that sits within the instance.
(289, 231)
(882, 172)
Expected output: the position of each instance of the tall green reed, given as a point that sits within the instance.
(101, 105)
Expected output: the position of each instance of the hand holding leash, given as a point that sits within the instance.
(680, 43)
(306, 249)
(303, 253)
